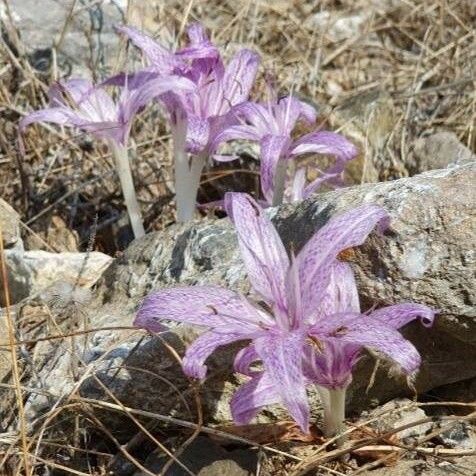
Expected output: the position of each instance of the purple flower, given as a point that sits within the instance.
(198, 116)
(218, 87)
(309, 329)
(271, 125)
(78, 103)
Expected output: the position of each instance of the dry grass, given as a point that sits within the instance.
(419, 52)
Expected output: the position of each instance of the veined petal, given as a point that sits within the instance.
(325, 142)
(332, 176)
(239, 76)
(244, 359)
(198, 133)
(139, 96)
(273, 149)
(107, 130)
(261, 247)
(298, 185)
(209, 306)
(382, 338)
(73, 90)
(200, 45)
(197, 353)
(289, 110)
(282, 356)
(197, 34)
(331, 365)
(317, 257)
(341, 295)
(400, 314)
(242, 131)
(248, 400)
(257, 116)
(157, 54)
(56, 115)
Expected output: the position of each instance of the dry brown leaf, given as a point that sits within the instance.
(264, 433)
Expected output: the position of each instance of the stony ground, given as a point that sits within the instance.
(397, 77)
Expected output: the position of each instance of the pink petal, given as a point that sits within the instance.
(200, 45)
(325, 142)
(400, 314)
(251, 397)
(242, 132)
(141, 95)
(273, 149)
(382, 338)
(261, 247)
(341, 295)
(256, 116)
(198, 133)
(56, 115)
(157, 54)
(244, 359)
(282, 355)
(197, 353)
(209, 306)
(315, 261)
(76, 89)
(197, 34)
(289, 110)
(298, 185)
(331, 366)
(239, 76)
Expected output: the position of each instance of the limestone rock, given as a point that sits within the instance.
(426, 256)
(205, 458)
(58, 234)
(31, 272)
(437, 151)
(340, 27)
(367, 119)
(41, 28)
(10, 225)
(398, 413)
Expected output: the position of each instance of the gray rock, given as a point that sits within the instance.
(205, 458)
(460, 435)
(397, 413)
(426, 256)
(437, 151)
(368, 119)
(31, 272)
(88, 39)
(10, 225)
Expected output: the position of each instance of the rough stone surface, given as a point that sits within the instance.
(437, 151)
(10, 225)
(31, 272)
(205, 458)
(397, 413)
(368, 119)
(41, 28)
(426, 256)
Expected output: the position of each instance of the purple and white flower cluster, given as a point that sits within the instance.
(207, 103)
(305, 326)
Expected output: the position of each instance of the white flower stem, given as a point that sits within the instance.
(333, 403)
(128, 191)
(279, 182)
(188, 171)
